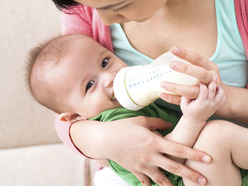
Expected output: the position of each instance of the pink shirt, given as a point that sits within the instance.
(83, 19)
(241, 8)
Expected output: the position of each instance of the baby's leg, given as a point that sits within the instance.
(227, 144)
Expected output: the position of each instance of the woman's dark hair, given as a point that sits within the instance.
(65, 4)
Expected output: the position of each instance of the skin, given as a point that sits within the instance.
(136, 16)
(189, 18)
(203, 70)
(123, 11)
(87, 89)
(87, 80)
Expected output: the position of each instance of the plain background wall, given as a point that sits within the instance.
(23, 24)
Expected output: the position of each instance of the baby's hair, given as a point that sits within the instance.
(40, 65)
(65, 4)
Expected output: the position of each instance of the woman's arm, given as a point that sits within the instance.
(131, 143)
(236, 105)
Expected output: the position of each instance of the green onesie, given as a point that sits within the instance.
(150, 111)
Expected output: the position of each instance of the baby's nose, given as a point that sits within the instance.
(108, 79)
(107, 83)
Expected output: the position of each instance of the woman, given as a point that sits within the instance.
(147, 29)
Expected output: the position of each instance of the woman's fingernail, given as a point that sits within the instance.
(206, 159)
(175, 50)
(163, 96)
(169, 125)
(202, 181)
(173, 65)
(215, 78)
(163, 84)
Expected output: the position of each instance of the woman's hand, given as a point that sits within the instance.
(133, 145)
(200, 68)
(204, 70)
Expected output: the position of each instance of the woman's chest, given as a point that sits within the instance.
(155, 39)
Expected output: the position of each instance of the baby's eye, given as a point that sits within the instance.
(105, 62)
(89, 84)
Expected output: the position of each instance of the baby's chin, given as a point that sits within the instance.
(115, 105)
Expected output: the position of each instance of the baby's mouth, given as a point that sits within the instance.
(113, 97)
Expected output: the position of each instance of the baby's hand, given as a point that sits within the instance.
(206, 104)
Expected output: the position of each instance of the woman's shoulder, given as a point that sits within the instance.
(241, 9)
(79, 19)
(81, 10)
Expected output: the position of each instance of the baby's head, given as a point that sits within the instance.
(73, 76)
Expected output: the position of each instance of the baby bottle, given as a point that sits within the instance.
(138, 86)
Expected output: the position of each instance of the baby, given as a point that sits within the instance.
(73, 76)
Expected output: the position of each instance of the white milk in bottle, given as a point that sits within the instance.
(138, 86)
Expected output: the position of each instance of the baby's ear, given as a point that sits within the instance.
(71, 117)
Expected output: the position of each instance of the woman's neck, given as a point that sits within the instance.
(187, 23)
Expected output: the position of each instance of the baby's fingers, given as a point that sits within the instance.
(203, 94)
(212, 88)
(220, 97)
(216, 92)
(184, 102)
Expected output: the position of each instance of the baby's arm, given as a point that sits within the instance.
(196, 112)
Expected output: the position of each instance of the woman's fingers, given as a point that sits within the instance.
(181, 151)
(142, 178)
(190, 92)
(159, 177)
(158, 144)
(181, 170)
(193, 58)
(155, 174)
(198, 72)
(145, 154)
(173, 99)
(166, 147)
(201, 67)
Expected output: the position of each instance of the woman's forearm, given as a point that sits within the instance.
(236, 105)
(89, 137)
